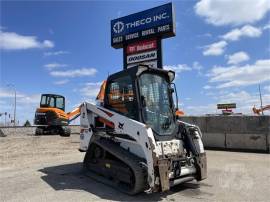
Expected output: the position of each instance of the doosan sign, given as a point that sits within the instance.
(151, 55)
(158, 21)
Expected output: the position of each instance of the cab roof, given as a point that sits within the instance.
(136, 71)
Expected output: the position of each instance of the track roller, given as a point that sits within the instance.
(110, 164)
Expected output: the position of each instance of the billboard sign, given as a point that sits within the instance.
(158, 21)
(226, 106)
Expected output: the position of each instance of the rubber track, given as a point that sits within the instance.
(128, 158)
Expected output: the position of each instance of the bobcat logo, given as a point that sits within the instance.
(121, 125)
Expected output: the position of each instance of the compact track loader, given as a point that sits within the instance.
(134, 141)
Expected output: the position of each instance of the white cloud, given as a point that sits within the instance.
(236, 97)
(206, 87)
(61, 82)
(29, 99)
(244, 103)
(55, 53)
(238, 58)
(244, 100)
(21, 97)
(6, 93)
(14, 41)
(201, 109)
(178, 68)
(9, 93)
(245, 31)
(52, 66)
(205, 35)
(233, 76)
(26, 104)
(91, 90)
(234, 12)
(74, 72)
(197, 66)
(215, 49)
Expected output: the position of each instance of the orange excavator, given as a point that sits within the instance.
(51, 118)
(261, 110)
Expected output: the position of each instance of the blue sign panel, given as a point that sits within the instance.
(158, 21)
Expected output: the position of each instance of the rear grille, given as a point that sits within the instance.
(40, 120)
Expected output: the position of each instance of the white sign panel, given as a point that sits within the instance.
(140, 57)
(152, 64)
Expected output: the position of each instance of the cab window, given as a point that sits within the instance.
(52, 102)
(60, 103)
(121, 97)
(43, 100)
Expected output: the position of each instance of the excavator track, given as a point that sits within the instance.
(107, 162)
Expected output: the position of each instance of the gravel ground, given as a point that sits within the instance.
(48, 168)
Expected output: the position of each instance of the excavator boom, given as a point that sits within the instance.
(259, 111)
(74, 114)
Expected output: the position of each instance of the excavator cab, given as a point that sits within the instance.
(53, 101)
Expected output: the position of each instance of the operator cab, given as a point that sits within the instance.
(144, 94)
(52, 101)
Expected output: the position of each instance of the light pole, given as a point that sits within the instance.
(5, 119)
(15, 102)
(261, 98)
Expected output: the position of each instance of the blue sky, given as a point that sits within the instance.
(221, 52)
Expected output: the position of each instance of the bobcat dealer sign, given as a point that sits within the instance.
(140, 35)
(142, 52)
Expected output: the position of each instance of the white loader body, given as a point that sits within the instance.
(139, 139)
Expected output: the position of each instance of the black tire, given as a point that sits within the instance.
(65, 131)
(39, 131)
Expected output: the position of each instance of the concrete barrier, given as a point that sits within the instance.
(246, 141)
(20, 130)
(234, 132)
(224, 132)
(214, 140)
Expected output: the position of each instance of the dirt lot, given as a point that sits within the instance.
(48, 168)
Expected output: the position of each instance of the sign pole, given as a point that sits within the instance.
(159, 53)
(125, 56)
